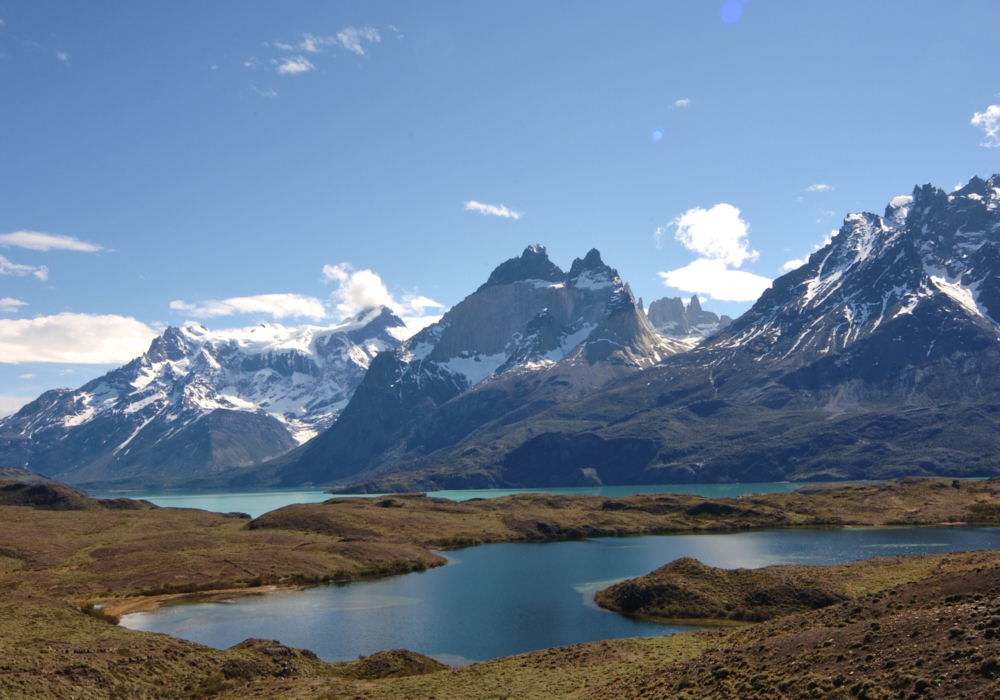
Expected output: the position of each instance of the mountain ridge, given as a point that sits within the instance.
(877, 358)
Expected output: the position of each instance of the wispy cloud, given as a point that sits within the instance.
(720, 238)
(277, 306)
(74, 339)
(399, 34)
(253, 62)
(492, 210)
(10, 305)
(351, 37)
(682, 103)
(35, 240)
(295, 66)
(62, 56)
(360, 290)
(820, 188)
(989, 122)
(279, 45)
(312, 43)
(658, 235)
(270, 94)
(18, 270)
(27, 376)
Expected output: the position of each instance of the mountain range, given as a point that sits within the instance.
(198, 402)
(877, 358)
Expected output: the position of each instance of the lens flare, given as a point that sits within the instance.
(731, 11)
(657, 135)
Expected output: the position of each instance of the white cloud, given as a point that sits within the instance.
(399, 34)
(712, 278)
(820, 188)
(279, 45)
(351, 37)
(74, 339)
(359, 290)
(42, 273)
(717, 233)
(62, 56)
(492, 210)
(295, 65)
(277, 306)
(989, 122)
(269, 94)
(252, 62)
(719, 237)
(682, 103)
(34, 240)
(11, 305)
(27, 376)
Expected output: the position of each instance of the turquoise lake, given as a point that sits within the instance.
(257, 503)
(502, 599)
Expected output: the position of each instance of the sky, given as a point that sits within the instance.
(232, 163)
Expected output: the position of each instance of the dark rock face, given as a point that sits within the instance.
(878, 358)
(531, 337)
(198, 403)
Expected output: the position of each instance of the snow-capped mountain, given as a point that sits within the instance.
(878, 358)
(931, 253)
(243, 395)
(564, 333)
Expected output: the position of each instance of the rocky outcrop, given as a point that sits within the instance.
(671, 319)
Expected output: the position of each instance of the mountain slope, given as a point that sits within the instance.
(879, 357)
(198, 402)
(532, 336)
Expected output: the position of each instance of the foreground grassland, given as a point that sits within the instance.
(889, 630)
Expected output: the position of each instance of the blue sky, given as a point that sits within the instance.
(243, 162)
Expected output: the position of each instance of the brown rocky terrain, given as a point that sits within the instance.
(56, 563)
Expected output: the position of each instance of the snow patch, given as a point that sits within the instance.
(476, 368)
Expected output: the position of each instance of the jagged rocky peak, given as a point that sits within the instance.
(933, 257)
(670, 318)
(590, 272)
(533, 264)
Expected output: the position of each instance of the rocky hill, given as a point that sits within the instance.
(880, 357)
(198, 402)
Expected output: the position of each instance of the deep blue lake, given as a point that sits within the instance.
(502, 599)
